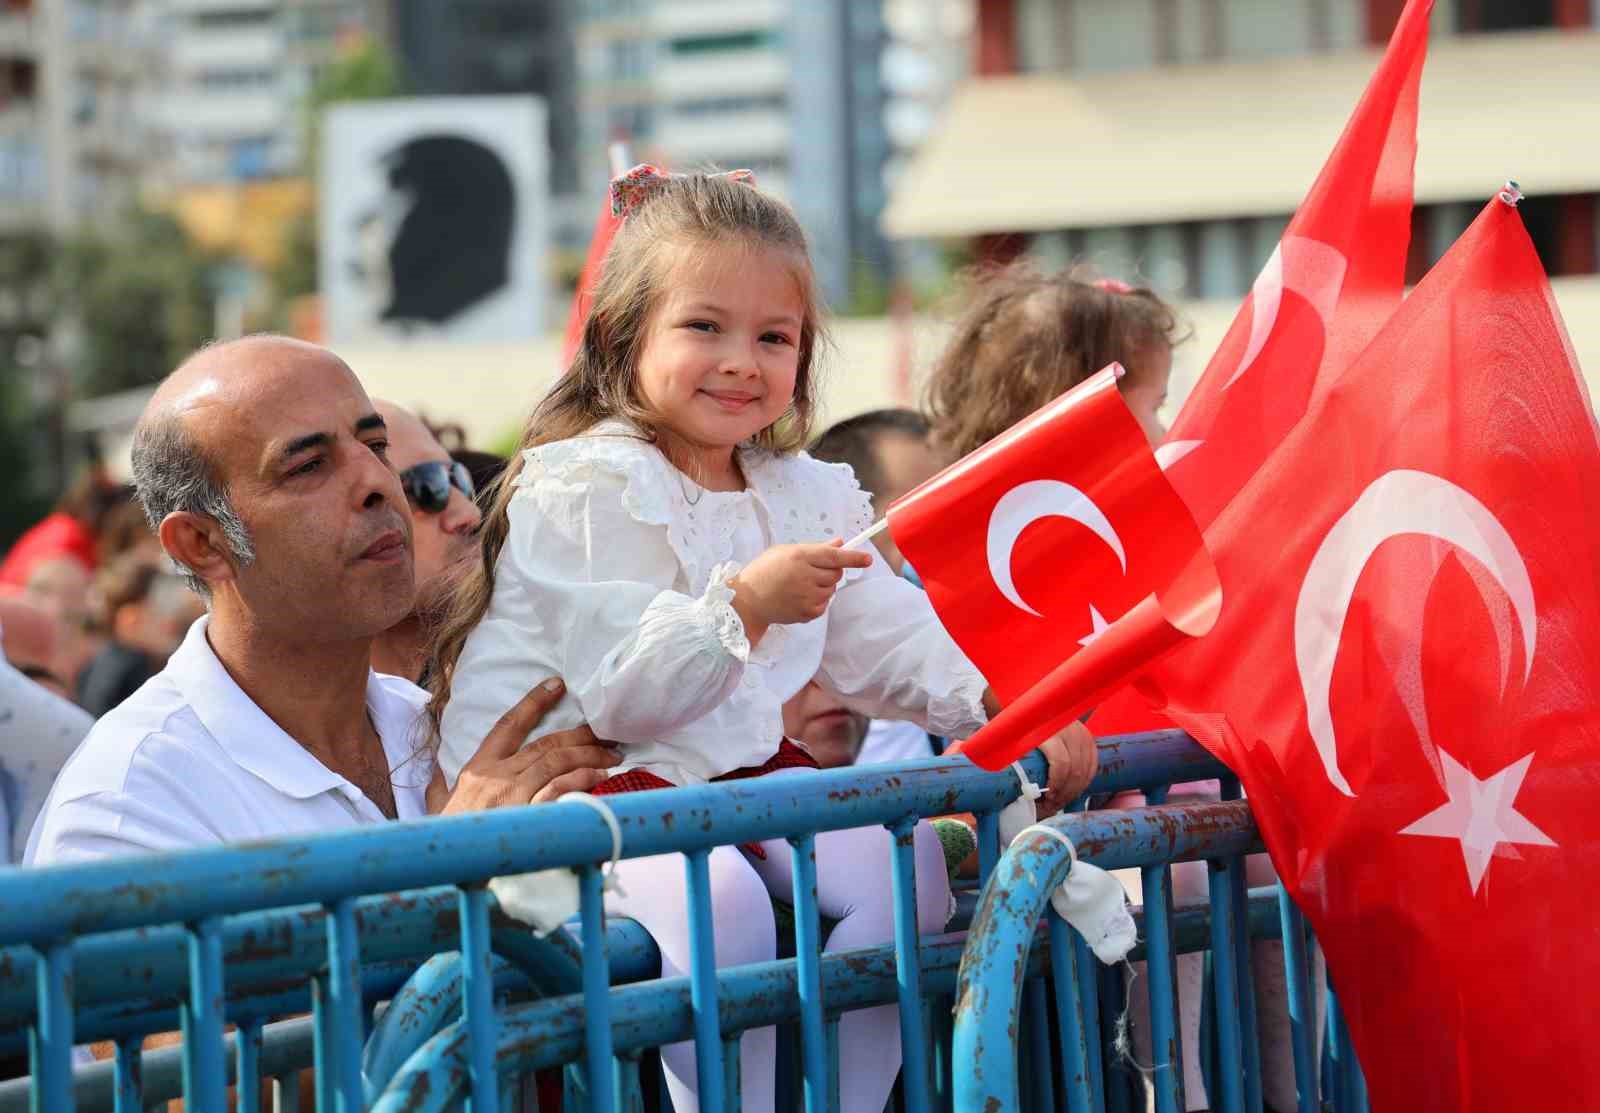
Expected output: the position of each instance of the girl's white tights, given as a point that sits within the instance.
(853, 887)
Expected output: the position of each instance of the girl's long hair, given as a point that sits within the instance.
(681, 216)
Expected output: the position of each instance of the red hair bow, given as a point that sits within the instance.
(628, 191)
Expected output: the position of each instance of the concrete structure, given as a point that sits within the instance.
(1173, 140)
(74, 83)
(788, 88)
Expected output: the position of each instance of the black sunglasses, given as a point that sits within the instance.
(428, 484)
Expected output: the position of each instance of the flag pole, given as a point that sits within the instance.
(868, 534)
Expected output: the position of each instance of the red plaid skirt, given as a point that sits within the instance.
(789, 756)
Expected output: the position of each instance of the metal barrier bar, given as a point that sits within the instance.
(703, 976)
(344, 1007)
(477, 984)
(1230, 1058)
(1088, 983)
(808, 962)
(1302, 1012)
(1248, 1027)
(913, 1038)
(96, 897)
(325, 1055)
(596, 990)
(248, 1070)
(547, 1033)
(1161, 976)
(259, 949)
(1002, 932)
(129, 1092)
(205, 1069)
(730, 1073)
(552, 1032)
(52, 1032)
(1075, 1049)
(1040, 1074)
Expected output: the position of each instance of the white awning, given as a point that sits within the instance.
(1175, 143)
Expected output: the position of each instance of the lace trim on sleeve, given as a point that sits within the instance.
(726, 625)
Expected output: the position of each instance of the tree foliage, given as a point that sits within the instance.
(365, 71)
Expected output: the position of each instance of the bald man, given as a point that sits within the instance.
(263, 468)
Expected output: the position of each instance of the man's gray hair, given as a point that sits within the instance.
(172, 474)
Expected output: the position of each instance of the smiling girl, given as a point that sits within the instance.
(664, 546)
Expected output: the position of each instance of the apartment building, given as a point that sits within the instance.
(74, 81)
(791, 89)
(237, 75)
(1172, 139)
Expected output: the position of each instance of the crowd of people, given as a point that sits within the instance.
(306, 613)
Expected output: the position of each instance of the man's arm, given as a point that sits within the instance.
(504, 774)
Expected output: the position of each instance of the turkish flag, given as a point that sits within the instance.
(1406, 676)
(605, 227)
(1060, 560)
(1334, 279)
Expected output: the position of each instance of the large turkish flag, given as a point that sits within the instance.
(1060, 560)
(1406, 676)
(1334, 279)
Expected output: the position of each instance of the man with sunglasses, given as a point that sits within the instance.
(444, 523)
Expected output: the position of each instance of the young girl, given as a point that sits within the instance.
(664, 547)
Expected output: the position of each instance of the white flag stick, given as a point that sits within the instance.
(868, 534)
(617, 154)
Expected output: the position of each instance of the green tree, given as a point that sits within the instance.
(366, 71)
(142, 292)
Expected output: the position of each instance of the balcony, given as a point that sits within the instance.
(17, 34)
(23, 179)
(722, 73)
(725, 137)
(690, 18)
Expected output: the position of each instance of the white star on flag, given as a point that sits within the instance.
(1480, 814)
(1100, 626)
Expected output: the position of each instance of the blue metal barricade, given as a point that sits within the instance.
(377, 961)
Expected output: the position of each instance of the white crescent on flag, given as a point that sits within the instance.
(1396, 504)
(1025, 504)
(1310, 268)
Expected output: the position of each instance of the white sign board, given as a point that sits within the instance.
(434, 219)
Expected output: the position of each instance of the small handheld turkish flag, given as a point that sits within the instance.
(1060, 560)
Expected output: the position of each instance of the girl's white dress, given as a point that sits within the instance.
(614, 577)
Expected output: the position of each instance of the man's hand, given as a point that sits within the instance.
(1073, 760)
(503, 774)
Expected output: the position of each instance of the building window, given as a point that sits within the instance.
(1504, 15)
(227, 19)
(707, 44)
(1112, 34)
(235, 80)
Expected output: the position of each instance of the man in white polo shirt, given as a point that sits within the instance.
(262, 466)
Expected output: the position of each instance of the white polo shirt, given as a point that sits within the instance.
(189, 760)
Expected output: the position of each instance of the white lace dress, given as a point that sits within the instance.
(614, 577)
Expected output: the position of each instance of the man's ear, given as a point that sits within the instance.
(197, 543)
